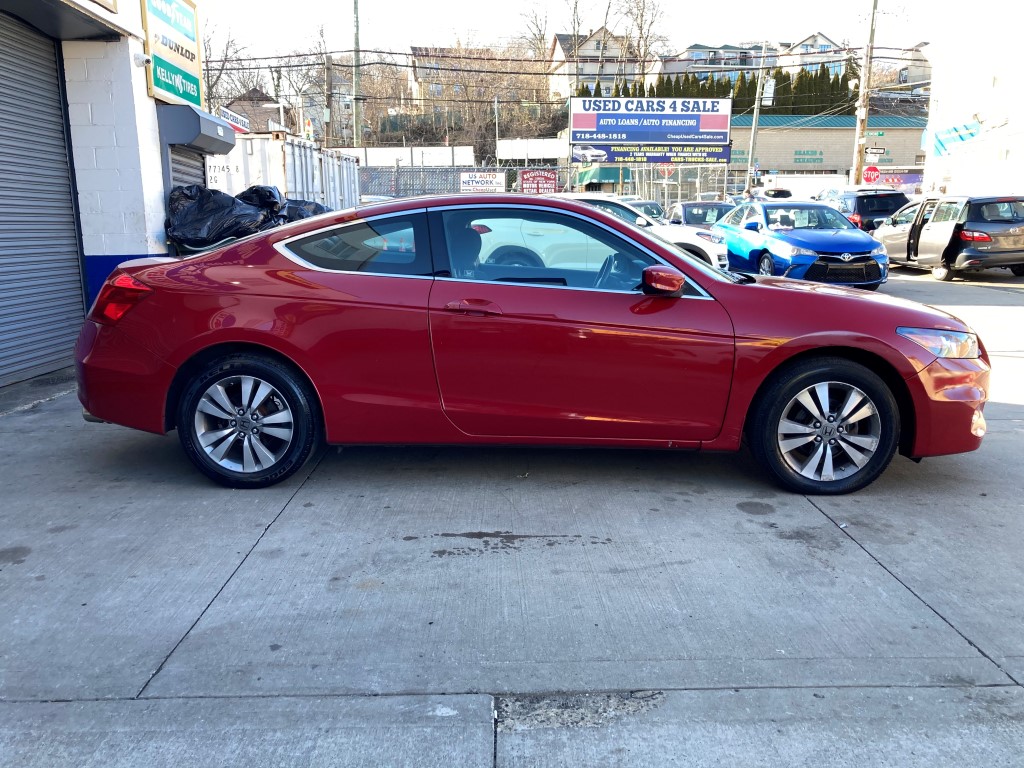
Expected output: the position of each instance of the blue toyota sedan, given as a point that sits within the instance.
(807, 241)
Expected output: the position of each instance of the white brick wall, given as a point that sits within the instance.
(116, 149)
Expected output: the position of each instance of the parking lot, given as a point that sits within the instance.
(512, 607)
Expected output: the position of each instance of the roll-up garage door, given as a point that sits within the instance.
(41, 300)
(187, 167)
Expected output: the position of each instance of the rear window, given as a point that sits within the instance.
(882, 205)
(998, 210)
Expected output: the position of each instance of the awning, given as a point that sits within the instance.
(188, 126)
(604, 174)
(63, 21)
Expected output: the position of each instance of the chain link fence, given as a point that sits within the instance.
(662, 183)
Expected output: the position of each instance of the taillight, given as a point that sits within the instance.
(855, 219)
(118, 295)
(973, 236)
(482, 229)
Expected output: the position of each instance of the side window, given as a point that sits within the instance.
(908, 215)
(621, 211)
(390, 245)
(734, 218)
(521, 246)
(946, 211)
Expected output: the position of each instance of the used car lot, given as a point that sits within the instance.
(376, 607)
(481, 351)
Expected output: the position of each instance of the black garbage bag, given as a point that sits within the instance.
(200, 218)
(269, 198)
(302, 209)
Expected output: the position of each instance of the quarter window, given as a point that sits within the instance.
(947, 211)
(392, 245)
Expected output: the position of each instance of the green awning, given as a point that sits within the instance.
(602, 174)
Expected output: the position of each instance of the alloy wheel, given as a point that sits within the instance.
(829, 431)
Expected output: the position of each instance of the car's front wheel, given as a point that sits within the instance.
(765, 266)
(248, 421)
(825, 426)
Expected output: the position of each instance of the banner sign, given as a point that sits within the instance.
(681, 154)
(649, 121)
(173, 46)
(481, 181)
(240, 123)
(538, 182)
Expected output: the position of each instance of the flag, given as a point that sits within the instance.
(585, 122)
(714, 122)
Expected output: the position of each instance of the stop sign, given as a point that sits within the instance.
(871, 174)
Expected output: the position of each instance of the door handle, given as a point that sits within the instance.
(473, 307)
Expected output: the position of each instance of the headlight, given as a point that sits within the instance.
(879, 250)
(789, 251)
(710, 237)
(943, 343)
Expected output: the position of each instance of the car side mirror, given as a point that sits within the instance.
(642, 222)
(659, 280)
(675, 221)
(753, 226)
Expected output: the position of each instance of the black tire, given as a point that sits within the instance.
(1018, 270)
(696, 254)
(869, 287)
(942, 272)
(812, 454)
(223, 414)
(765, 265)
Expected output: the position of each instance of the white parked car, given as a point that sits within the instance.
(585, 153)
(705, 245)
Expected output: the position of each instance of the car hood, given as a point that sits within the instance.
(910, 313)
(832, 240)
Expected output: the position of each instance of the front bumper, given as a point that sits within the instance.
(949, 401)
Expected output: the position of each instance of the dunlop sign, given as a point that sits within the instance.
(172, 42)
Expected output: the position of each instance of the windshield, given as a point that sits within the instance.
(651, 208)
(806, 217)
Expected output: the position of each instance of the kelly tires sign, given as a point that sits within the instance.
(173, 46)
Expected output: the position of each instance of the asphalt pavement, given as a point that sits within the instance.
(512, 607)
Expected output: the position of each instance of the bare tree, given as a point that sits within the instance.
(215, 62)
(535, 37)
(644, 18)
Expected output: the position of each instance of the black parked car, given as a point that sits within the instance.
(866, 207)
(956, 234)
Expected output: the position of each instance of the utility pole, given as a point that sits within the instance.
(357, 119)
(864, 99)
(496, 131)
(757, 114)
(328, 99)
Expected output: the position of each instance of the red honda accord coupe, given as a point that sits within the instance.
(512, 319)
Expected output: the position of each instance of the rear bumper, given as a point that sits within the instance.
(975, 259)
(949, 401)
(120, 381)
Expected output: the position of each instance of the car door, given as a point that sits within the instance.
(894, 234)
(573, 353)
(938, 232)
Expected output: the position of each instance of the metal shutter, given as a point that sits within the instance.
(187, 167)
(41, 300)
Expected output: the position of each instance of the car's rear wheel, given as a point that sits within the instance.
(248, 421)
(765, 266)
(942, 272)
(1018, 270)
(825, 426)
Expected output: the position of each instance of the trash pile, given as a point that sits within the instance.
(199, 218)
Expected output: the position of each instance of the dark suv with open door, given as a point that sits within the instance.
(954, 235)
(865, 207)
